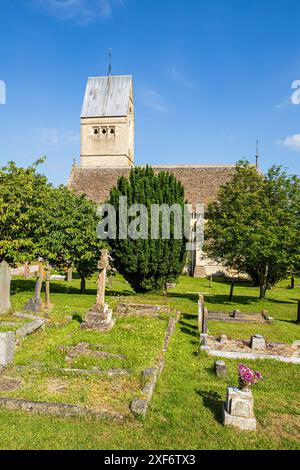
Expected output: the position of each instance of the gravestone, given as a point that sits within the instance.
(70, 275)
(223, 339)
(258, 342)
(5, 280)
(221, 369)
(238, 410)
(7, 348)
(27, 273)
(236, 314)
(100, 316)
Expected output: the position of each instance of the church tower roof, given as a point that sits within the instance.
(107, 96)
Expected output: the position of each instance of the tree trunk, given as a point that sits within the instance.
(83, 285)
(293, 282)
(262, 291)
(263, 282)
(231, 290)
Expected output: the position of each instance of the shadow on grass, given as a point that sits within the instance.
(77, 317)
(28, 285)
(186, 327)
(212, 401)
(189, 296)
(188, 331)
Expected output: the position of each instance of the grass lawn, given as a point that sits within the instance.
(185, 412)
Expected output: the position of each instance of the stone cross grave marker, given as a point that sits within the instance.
(5, 280)
(35, 304)
(100, 316)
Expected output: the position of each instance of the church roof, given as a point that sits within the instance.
(201, 182)
(107, 96)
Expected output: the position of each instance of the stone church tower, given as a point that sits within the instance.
(107, 123)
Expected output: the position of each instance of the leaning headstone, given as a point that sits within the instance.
(7, 348)
(258, 342)
(100, 316)
(238, 410)
(221, 369)
(5, 280)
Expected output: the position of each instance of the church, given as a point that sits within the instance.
(107, 152)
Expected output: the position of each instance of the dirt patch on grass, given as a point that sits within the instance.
(9, 384)
(272, 349)
(282, 426)
(57, 386)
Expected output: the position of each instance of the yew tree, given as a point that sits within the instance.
(148, 263)
(254, 225)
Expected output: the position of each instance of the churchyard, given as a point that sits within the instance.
(91, 378)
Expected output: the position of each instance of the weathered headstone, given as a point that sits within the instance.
(238, 410)
(100, 316)
(258, 342)
(223, 339)
(7, 348)
(5, 280)
(221, 369)
(27, 273)
(70, 274)
(236, 314)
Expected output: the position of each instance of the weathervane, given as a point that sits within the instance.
(257, 155)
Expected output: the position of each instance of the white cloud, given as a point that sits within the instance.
(292, 142)
(180, 79)
(49, 136)
(81, 11)
(153, 100)
(283, 104)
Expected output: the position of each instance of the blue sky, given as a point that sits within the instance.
(210, 77)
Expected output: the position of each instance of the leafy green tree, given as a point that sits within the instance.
(254, 225)
(68, 234)
(22, 207)
(146, 263)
